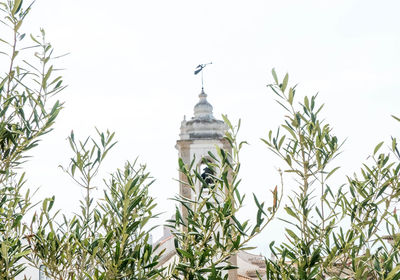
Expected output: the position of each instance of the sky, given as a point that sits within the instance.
(130, 70)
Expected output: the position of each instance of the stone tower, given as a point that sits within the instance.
(199, 136)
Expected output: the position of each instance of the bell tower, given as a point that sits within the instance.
(200, 135)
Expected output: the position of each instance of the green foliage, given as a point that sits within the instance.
(207, 233)
(26, 114)
(125, 249)
(13, 206)
(106, 240)
(73, 240)
(333, 232)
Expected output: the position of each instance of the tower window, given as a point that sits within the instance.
(206, 173)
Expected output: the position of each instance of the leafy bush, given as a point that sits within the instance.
(208, 238)
(333, 232)
(107, 239)
(27, 86)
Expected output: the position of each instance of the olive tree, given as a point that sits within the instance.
(211, 233)
(333, 232)
(28, 82)
(109, 238)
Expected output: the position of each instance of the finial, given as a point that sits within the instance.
(202, 95)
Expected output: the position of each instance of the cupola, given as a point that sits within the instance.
(202, 125)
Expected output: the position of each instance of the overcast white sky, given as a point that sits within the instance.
(131, 70)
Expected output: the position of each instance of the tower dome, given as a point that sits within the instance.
(202, 125)
(203, 109)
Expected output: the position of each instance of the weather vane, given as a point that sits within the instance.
(198, 70)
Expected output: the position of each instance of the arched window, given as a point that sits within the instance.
(206, 173)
